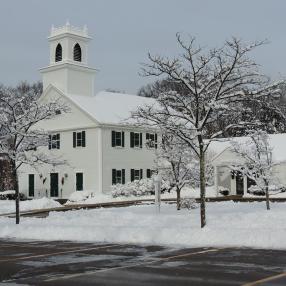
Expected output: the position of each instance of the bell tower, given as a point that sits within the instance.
(68, 68)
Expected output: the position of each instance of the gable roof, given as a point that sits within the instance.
(276, 141)
(110, 107)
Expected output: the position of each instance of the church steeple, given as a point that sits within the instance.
(68, 68)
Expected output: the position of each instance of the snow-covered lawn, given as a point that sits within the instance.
(8, 206)
(228, 225)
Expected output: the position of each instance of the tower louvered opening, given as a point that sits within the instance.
(77, 53)
(59, 53)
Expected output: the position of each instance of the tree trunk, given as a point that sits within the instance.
(178, 198)
(202, 183)
(17, 195)
(267, 196)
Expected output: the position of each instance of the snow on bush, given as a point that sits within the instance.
(137, 188)
(189, 203)
(79, 196)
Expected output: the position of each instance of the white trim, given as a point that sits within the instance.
(100, 160)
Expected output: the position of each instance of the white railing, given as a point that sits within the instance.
(67, 28)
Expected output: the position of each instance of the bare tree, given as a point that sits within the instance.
(21, 140)
(218, 82)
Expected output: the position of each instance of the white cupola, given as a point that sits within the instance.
(68, 68)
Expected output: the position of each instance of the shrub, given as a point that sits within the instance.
(10, 195)
(189, 203)
(224, 191)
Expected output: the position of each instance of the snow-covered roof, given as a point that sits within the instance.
(110, 107)
(276, 141)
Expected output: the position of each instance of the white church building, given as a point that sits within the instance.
(99, 147)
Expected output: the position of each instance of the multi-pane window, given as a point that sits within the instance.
(54, 141)
(117, 139)
(151, 140)
(149, 173)
(79, 139)
(135, 139)
(136, 174)
(118, 176)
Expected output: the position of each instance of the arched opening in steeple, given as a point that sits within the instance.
(59, 53)
(77, 53)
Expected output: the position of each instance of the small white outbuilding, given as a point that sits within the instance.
(225, 158)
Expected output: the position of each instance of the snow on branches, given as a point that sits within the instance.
(20, 138)
(258, 163)
(217, 83)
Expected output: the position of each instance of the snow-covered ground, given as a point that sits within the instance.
(228, 225)
(8, 206)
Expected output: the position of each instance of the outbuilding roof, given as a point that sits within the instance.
(276, 141)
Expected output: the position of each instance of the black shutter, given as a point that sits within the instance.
(50, 142)
(123, 175)
(148, 173)
(140, 140)
(113, 176)
(122, 139)
(141, 174)
(74, 139)
(132, 139)
(58, 140)
(31, 185)
(83, 138)
(155, 140)
(132, 175)
(113, 138)
(147, 136)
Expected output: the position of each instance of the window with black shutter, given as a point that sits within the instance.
(135, 140)
(136, 174)
(113, 176)
(148, 173)
(54, 141)
(117, 139)
(79, 139)
(151, 140)
(118, 176)
(123, 176)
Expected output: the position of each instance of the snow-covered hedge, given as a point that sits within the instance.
(137, 188)
(11, 195)
(189, 203)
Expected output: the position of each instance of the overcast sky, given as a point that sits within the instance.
(124, 31)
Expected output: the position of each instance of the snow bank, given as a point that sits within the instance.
(104, 198)
(81, 196)
(7, 206)
(228, 225)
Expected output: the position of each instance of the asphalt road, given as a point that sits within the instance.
(66, 263)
